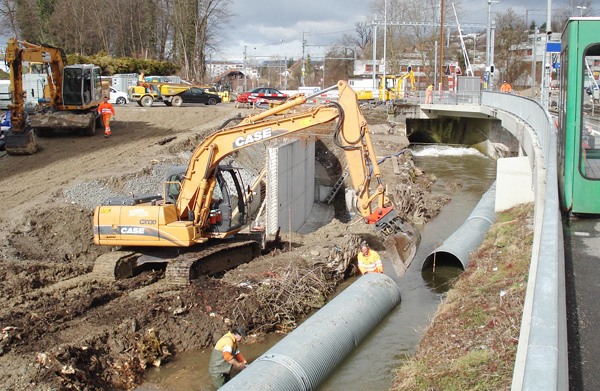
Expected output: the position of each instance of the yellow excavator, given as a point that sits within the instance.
(70, 101)
(207, 201)
(394, 87)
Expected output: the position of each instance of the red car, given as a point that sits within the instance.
(261, 95)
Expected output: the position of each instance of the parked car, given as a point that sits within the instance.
(261, 95)
(118, 97)
(195, 95)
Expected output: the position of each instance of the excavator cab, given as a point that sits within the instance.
(228, 208)
(82, 85)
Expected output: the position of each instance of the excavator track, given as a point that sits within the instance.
(212, 260)
(115, 265)
(181, 269)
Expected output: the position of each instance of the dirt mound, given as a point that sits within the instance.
(61, 233)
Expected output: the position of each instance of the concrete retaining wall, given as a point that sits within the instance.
(290, 184)
(514, 184)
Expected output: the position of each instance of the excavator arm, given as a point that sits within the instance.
(351, 133)
(411, 77)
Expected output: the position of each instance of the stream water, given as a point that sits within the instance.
(372, 365)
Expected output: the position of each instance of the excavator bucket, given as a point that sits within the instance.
(21, 143)
(401, 248)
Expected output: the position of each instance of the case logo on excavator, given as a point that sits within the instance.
(132, 230)
(252, 137)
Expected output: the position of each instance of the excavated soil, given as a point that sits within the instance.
(65, 328)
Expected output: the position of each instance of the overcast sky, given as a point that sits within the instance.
(270, 28)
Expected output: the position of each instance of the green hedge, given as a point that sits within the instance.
(111, 65)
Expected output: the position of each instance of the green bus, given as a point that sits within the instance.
(579, 117)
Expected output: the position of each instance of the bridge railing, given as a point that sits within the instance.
(541, 362)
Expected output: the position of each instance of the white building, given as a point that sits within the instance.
(218, 68)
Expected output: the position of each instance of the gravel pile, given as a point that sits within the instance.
(93, 193)
(147, 181)
(88, 194)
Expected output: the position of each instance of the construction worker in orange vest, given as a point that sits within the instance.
(505, 87)
(107, 110)
(368, 260)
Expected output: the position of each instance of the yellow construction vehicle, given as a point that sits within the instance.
(206, 200)
(147, 93)
(393, 88)
(71, 95)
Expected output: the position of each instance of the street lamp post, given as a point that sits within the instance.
(245, 89)
(487, 39)
(581, 9)
(281, 56)
(285, 73)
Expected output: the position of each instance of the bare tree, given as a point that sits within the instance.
(195, 25)
(363, 38)
(181, 31)
(510, 33)
(8, 18)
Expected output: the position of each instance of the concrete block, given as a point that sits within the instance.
(513, 183)
(323, 192)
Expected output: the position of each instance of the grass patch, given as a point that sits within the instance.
(471, 343)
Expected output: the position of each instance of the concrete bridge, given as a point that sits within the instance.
(542, 360)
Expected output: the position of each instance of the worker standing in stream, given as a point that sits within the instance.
(107, 110)
(368, 260)
(226, 355)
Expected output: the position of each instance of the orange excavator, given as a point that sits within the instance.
(71, 96)
(207, 201)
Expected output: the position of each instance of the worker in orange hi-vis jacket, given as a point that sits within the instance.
(506, 87)
(368, 260)
(107, 110)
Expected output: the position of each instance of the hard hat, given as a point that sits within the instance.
(241, 331)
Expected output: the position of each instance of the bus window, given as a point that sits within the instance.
(590, 130)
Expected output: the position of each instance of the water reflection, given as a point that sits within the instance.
(443, 278)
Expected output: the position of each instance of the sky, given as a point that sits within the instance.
(274, 28)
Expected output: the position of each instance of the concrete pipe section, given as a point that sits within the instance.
(307, 356)
(456, 249)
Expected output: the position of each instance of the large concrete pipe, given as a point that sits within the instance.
(456, 249)
(305, 358)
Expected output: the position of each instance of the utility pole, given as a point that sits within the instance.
(547, 63)
(533, 61)
(245, 89)
(303, 66)
(442, 10)
(280, 58)
(374, 86)
(435, 69)
(285, 73)
(488, 62)
(384, 90)
(493, 38)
